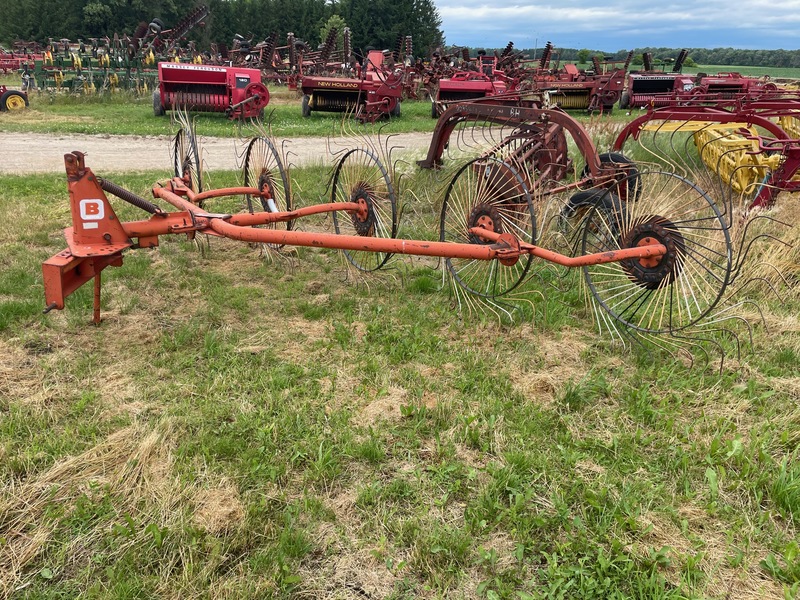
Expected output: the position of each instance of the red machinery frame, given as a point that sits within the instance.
(754, 112)
(376, 93)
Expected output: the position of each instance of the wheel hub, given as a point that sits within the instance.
(266, 189)
(486, 217)
(653, 272)
(15, 103)
(364, 218)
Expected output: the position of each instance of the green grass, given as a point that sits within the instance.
(772, 72)
(127, 114)
(247, 427)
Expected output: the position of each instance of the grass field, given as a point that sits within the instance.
(772, 72)
(242, 426)
(124, 113)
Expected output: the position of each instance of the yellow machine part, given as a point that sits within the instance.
(566, 100)
(726, 151)
(791, 125)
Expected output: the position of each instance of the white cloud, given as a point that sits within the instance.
(622, 24)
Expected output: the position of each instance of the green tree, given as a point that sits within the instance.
(583, 56)
(337, 22)
(379, 23)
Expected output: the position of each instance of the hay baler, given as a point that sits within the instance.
(377, 92)
(235, 91)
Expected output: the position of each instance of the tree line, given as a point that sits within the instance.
(700, 56)
(373, 23)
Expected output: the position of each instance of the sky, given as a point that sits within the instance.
(622, 24)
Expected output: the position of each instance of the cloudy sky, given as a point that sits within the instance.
(622, 24)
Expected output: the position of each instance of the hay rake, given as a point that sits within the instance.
(747, 150)
(655, 250)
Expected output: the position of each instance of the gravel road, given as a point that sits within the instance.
(43, 153)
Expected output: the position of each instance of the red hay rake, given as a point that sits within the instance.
(654, 249)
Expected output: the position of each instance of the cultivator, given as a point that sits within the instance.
(655, 251)
(118, 62)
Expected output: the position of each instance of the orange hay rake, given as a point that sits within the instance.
(658, 256)
(97, 238)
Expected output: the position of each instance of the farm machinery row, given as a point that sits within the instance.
(110, 63)
(653, 88)
(658, 255)
(502, 78)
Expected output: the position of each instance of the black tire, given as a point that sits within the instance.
(396, 110)
(573, 215)
(13, 100)
(434, 111)
(628, 166)
(625, 101)
(306, 107)
(158, 109)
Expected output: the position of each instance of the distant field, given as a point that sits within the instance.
(774, 72)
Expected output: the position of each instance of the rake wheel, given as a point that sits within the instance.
(489, 193)
(361, 177)
(263, 169)
(660, 294)
(186, 159)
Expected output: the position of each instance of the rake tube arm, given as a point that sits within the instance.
(222, 192)
(598, 258)
(262, 218)
(357, 243)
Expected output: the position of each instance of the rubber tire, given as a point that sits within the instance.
(396, 110)
(603, 199)
(625, 101)
(306, 108)
(434, 111)
(9, 94)
(634, 185)
(158, 110)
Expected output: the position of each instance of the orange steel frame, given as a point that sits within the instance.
(97, 238)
